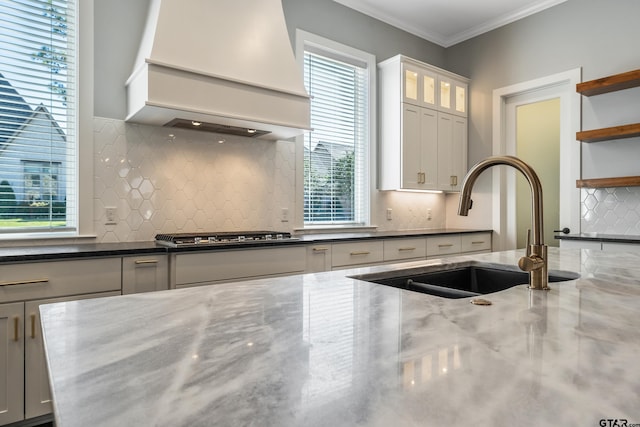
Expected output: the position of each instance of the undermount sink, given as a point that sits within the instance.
(459, 280)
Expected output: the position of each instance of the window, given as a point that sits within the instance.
(38, 125)
(337, 160)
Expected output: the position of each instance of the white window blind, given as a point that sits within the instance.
(37, 116)
(336, 151)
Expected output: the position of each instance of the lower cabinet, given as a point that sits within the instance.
(605, 246)
(145, 273)
(207, 267)
(366, 252)
(24, 383)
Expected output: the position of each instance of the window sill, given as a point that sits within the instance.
(319, 229)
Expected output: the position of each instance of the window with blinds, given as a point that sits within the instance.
(37, 116)
(336, 151)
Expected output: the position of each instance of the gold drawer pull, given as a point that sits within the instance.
(360, 253)
(146, 261)
(33, 326)
(445, 245)
(477, 242)
(24, 282)
(406, 249)
(16, 324)
(320, 249)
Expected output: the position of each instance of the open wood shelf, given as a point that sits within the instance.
(610, 84)
(624, 181)
(615, 132)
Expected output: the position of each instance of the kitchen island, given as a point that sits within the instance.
(329, 350)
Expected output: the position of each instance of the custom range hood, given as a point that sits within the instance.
(223, 66)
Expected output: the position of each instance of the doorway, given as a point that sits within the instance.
(506, 102)
(538, 144)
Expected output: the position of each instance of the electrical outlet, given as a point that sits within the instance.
(110, 214)
(284, 215)
(428, 214)
(389, 214)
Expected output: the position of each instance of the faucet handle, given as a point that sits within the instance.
(530, 263)
(528, 245)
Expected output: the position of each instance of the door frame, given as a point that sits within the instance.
(561, 85)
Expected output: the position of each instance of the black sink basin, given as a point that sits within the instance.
(460, 282)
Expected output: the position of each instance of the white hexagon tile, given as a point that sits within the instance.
(611, 210)
(162, 180)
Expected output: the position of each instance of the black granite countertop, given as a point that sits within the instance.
(598, 237)
(85, 250)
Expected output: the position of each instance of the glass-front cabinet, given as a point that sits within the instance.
(452, 96)
(423, 126)
(424, 87)
(419, 86)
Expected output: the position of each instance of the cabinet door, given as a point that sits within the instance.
(452, 96)
(419, 148)
(145, 273)
(11, 362)
(452, 151)
(418, 86)
(318, 258)
(411, 150)
(37, 396)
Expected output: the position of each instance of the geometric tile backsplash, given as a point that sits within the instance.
(610, 210)
(164, 180)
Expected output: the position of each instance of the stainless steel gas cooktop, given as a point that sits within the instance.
(176, 240)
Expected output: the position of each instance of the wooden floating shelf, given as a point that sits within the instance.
(610, 84)
(624, 181)
(615, 132)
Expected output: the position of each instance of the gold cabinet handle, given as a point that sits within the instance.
(453, 180)
(146, 261)
(33, 326)
(320, 249)
(445, 245)
(406, 249)
(24, 282)
(477, 242)
(16, 324)
(360, 253)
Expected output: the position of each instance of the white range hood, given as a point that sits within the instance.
(224, 66)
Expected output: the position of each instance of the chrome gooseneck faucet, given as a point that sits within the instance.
(535, 260)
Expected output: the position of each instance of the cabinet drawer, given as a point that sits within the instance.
(399, 249)
(238, 264)
(355, 253)
(443, 245)
(23, 282)
(475, 242)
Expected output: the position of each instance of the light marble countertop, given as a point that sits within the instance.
(327, 350)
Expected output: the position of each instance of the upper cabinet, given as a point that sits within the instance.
(431, 87)
(423, 126)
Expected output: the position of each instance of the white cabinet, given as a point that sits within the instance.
(475, 243)
(452, 96)
(24, 386)
(11, 362)
(37, 397)
(452, 151)
(423, 126)
(207, 267)
(145, 273)
(318, 258)
(419, 166)
(438, 246)
(418, 85)
(365, 252)
(405, 249)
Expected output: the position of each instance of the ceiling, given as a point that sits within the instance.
(447, 22)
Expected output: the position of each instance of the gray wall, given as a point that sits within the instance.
(600, 36)
(119, 25)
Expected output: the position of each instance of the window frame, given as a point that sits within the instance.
(84, 131)
(332, 48)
